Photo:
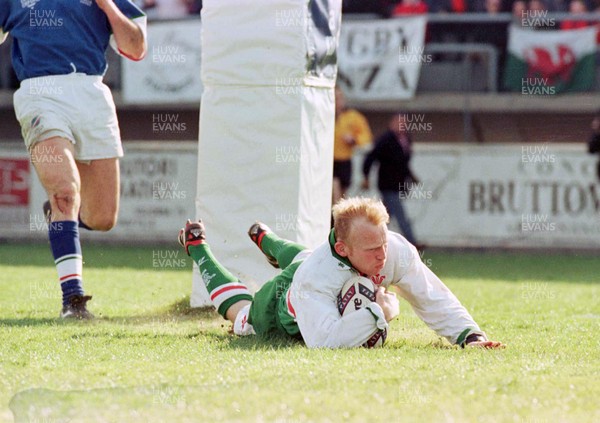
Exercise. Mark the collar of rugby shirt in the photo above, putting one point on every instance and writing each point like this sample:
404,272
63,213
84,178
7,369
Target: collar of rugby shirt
344,263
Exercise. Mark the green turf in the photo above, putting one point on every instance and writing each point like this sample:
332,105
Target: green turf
151,358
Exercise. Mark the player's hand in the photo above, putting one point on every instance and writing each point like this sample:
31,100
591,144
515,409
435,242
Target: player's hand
486,344
388,302
365,184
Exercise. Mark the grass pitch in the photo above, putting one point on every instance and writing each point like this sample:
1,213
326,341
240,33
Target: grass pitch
149,357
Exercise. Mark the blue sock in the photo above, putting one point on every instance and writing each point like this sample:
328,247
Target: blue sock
66,249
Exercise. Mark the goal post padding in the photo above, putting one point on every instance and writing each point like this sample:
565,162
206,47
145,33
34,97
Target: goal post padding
266,128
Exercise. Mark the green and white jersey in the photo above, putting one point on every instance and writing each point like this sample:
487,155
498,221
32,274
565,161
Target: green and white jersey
319,279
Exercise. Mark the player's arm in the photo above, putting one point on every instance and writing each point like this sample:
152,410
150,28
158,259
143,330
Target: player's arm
370,158
129,36
438,307
322,326
373,156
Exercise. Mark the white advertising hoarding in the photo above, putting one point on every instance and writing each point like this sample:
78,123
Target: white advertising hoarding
537,195
158,185
170,72
469,196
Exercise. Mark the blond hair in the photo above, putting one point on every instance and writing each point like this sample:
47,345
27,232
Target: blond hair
347,210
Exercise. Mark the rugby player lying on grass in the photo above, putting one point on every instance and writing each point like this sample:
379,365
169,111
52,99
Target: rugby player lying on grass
301,301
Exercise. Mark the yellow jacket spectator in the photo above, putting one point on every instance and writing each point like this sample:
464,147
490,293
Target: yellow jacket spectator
351,130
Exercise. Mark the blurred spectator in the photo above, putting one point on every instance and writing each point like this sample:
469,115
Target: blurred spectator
487,6
393,151
379,7
519,7
594,142
447,6
557,5
410,7
537,12
575,7
536,6
493,6
195,6
351,130
167,9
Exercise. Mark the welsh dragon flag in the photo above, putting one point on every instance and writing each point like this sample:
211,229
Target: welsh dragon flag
549,62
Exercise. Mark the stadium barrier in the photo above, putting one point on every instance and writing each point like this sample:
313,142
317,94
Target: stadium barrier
530,196
158,189
497,196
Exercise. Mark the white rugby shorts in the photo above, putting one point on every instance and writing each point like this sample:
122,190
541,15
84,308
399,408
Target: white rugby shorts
77,107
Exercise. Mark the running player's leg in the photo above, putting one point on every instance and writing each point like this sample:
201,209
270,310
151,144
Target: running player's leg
336,190
55,165
97,151
227,293
342,178
280,252
56,168
99,193
393,204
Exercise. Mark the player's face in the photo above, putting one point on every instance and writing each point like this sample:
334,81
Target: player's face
366,247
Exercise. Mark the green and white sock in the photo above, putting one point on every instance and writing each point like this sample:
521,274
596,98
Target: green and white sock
282,249
224,289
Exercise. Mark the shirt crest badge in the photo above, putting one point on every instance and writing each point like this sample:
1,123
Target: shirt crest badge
378,279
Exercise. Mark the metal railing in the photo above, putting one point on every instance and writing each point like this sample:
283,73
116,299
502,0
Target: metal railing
466,52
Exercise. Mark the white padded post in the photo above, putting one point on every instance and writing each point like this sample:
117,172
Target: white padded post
266,127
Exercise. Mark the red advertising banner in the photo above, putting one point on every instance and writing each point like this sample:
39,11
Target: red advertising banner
14,182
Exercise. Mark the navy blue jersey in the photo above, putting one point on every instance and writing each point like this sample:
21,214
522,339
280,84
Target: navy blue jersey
57,37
